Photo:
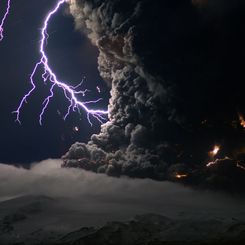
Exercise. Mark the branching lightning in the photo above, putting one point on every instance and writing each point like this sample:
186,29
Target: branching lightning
2,21
48,75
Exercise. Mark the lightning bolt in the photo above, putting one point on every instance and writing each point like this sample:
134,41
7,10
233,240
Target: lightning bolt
2,22
48,75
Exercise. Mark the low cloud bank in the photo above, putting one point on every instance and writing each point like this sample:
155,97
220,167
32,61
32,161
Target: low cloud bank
49,179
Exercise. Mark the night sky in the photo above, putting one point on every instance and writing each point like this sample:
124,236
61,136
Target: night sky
71,55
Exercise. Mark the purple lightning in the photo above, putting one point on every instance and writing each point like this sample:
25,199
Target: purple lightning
70,92
4,19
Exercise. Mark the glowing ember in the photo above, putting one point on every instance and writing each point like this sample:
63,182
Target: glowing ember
76,129
242,120
181,176
215,151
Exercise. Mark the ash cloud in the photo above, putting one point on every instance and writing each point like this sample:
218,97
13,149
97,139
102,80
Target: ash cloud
126,144
166,62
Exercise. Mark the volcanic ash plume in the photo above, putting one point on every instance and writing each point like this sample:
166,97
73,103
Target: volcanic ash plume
156,57
129,142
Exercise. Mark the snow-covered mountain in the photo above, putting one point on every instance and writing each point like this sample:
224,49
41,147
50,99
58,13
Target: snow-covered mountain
44,220
153,229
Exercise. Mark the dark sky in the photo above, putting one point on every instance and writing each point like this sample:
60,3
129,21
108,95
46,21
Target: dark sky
71,56
201,50
177,72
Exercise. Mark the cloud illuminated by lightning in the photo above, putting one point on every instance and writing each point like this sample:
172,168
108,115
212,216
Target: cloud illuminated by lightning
70,92
2,21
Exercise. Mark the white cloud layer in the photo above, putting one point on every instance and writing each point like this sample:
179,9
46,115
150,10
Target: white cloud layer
123,194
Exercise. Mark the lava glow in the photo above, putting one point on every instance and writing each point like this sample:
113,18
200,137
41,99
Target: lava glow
215,151
2,21
70,92
242,120
181,176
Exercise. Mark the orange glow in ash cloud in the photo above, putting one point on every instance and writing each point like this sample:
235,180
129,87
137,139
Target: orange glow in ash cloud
242,120
181,176
215,151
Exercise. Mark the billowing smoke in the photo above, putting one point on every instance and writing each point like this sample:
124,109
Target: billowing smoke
161,60
128,143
